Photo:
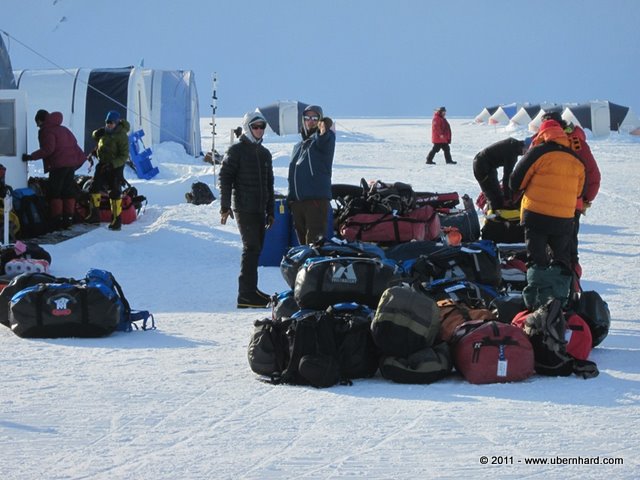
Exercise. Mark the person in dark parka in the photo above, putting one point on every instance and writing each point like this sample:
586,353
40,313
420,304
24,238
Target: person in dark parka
486,163
246,181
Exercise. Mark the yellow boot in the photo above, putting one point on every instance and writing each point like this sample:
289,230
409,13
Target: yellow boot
94,210
116,210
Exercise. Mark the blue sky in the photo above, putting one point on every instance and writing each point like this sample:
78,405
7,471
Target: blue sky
353,57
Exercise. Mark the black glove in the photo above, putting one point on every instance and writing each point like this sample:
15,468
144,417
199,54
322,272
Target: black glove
328,122
26,157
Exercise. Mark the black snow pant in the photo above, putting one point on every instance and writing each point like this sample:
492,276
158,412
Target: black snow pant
252,231
490,186
108,178
436,148
537,242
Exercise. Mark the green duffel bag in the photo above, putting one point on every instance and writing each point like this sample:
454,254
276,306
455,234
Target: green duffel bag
424,366
406,320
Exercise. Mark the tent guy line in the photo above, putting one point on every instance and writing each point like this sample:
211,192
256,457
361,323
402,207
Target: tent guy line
100,92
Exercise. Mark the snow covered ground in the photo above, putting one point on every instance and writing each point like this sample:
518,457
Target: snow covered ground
181,401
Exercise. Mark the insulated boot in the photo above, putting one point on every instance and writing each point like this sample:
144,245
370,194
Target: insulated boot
69,211
116,211
94,210
252,300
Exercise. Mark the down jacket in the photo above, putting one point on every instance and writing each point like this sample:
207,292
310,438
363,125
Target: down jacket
58,146
552,177
246,178
310,167
440,129
113,146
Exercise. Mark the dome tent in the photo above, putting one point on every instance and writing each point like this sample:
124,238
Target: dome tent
524,115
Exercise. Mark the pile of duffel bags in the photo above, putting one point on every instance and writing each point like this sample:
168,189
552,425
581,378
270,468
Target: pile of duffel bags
39,305
392,213
414,312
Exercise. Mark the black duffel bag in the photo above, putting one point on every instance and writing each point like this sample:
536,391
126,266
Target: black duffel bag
53,310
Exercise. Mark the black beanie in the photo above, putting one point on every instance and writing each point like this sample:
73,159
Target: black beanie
41,115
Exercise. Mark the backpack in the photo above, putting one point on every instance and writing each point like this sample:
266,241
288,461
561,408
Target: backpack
200,194
128,318
31,212
397,198
268,351
546,328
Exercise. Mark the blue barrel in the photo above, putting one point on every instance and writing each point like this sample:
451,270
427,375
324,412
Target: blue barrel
276,239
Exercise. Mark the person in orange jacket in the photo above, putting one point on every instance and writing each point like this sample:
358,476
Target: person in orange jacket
440,137
578,143
551,177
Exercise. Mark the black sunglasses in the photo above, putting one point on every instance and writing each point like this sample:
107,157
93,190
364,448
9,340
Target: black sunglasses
258,126
109,122
315,118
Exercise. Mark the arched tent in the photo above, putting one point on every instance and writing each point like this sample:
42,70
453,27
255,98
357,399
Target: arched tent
485,114
524,115
602,117
284,117
173,104
7,80
503,114
84,96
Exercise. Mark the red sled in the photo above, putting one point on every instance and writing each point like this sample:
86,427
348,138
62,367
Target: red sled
494,352
128,214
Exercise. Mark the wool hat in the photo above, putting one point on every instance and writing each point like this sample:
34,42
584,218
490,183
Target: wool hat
313,108
112,116
441,109
41,115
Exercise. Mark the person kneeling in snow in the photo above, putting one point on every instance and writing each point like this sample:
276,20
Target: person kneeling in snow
246,176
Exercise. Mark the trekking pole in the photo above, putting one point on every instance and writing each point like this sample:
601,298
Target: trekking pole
214,107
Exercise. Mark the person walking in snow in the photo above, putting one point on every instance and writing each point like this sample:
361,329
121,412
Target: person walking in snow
551,177
503,153
246,180
113,153
440,137
61,156
310,172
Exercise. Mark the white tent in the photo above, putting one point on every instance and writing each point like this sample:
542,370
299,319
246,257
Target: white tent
535,122
503,114
485,114
524,115
173,104
163,104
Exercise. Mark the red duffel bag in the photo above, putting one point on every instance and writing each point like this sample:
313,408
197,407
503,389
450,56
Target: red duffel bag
493,352
421,224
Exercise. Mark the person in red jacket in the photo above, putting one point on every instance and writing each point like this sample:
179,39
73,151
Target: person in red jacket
440,137
61,156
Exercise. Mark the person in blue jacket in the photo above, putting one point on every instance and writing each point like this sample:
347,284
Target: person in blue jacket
310,175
